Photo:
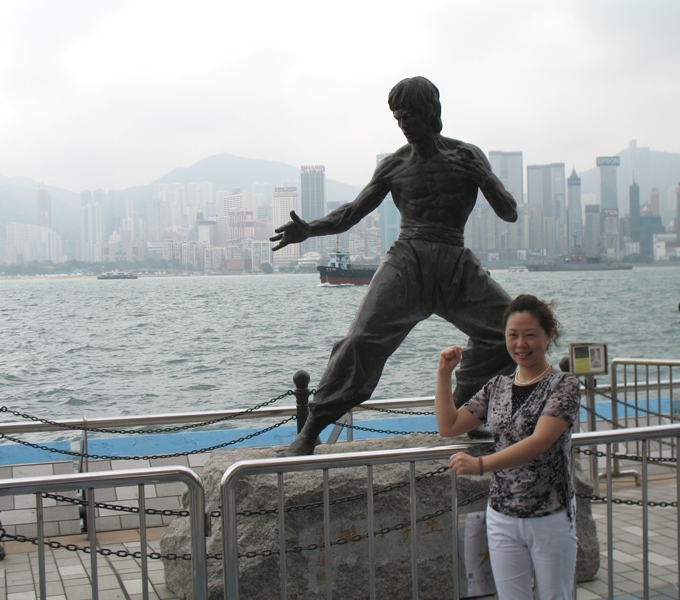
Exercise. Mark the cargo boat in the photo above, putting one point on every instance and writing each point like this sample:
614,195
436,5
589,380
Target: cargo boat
339,270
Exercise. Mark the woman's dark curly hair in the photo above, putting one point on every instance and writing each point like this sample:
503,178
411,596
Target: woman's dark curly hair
543,312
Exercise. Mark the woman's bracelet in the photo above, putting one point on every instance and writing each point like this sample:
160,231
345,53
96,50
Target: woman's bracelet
481,466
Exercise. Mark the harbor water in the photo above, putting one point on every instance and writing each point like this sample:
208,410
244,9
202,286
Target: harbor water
80,347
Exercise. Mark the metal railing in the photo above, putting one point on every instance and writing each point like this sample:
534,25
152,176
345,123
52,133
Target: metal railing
368,460
124,478
645,436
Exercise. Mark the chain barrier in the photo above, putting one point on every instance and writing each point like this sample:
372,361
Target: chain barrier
315,505
631,457
628,502
55,545
5,409
387,431
400,412
250,436
216,514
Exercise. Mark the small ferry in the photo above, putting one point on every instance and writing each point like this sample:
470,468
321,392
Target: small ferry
117,275
339,270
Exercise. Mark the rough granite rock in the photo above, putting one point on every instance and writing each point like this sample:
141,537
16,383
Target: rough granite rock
259,576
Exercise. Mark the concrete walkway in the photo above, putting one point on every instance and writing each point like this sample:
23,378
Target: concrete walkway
119,578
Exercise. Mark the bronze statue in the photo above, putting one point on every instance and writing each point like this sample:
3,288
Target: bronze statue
434,181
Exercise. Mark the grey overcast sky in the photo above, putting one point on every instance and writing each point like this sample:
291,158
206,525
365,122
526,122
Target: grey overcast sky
111,94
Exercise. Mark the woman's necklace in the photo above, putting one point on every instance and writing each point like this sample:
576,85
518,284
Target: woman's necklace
534,380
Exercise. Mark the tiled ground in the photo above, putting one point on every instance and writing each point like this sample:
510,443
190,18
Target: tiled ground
119,578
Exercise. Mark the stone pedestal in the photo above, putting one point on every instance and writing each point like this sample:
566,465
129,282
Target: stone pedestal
306,564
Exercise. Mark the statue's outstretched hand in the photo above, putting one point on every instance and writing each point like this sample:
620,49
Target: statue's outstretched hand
293,232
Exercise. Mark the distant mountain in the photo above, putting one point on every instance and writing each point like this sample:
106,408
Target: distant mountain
18,203
228,172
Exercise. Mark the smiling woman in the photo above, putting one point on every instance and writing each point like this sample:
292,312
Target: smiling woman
531,516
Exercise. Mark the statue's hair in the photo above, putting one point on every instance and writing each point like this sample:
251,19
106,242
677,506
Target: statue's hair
420,95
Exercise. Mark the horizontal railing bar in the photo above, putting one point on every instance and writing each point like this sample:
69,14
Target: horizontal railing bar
631,434
645,362
100,479
290,464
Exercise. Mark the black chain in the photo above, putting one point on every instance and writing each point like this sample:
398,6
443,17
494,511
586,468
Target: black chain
252,554
216,514
650,503
387,431
148,457
632,457
82,427
400,412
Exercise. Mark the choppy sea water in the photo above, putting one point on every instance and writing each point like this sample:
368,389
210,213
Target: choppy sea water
83,347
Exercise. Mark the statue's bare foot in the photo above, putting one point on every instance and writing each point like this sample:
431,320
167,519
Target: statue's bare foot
302,446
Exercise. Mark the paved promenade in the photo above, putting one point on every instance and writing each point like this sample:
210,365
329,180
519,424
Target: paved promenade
119,578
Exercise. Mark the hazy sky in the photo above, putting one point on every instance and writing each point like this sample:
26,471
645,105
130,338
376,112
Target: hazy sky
115,93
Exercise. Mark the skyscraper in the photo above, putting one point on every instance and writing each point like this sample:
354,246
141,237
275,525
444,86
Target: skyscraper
591,234
509,168
546,188
654,201
574,211
634,217
609,197
312,201
44,208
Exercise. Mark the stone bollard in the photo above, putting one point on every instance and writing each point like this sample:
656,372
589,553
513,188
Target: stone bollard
301,393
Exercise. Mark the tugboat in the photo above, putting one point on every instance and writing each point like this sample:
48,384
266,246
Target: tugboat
339,270
117,275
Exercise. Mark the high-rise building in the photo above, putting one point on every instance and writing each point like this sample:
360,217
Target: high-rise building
44,208
574,211
284,200
654,201
91,225
592,228
609,197
312,201
634,217
200,196
509,168
390,218
546,188
236,199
